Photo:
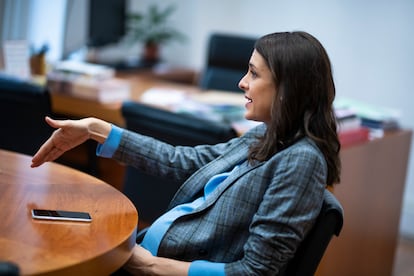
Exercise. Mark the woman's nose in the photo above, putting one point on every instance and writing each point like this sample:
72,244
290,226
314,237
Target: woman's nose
242,83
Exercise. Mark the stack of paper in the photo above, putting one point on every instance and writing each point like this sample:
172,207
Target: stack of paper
72,68
88,81
371,116
210,105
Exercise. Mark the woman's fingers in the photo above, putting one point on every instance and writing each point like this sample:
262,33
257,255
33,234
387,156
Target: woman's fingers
55,123
68,134
50,150
44,153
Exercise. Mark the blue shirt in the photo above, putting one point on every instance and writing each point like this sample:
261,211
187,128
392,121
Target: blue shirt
157,230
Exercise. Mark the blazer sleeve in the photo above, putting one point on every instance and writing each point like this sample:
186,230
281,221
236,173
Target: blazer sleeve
158,158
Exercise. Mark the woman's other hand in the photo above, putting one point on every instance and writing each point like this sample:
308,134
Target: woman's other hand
143,263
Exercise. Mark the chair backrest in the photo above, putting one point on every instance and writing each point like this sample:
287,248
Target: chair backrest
227,61
176,129
310,252
23,107
9,269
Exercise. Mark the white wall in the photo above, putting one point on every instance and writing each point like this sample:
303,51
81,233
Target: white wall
370,43
46,22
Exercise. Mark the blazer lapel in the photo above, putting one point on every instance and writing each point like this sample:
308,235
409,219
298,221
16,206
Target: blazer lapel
189,190
242,170
226,162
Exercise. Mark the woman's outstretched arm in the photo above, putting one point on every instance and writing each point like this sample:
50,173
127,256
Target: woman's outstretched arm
69,134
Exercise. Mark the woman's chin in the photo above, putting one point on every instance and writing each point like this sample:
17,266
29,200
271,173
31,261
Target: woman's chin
250,117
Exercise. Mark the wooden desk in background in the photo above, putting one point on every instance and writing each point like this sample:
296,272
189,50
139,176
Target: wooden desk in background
62,248
74,107
371,191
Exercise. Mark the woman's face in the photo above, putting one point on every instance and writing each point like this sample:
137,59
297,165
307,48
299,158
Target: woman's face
259,89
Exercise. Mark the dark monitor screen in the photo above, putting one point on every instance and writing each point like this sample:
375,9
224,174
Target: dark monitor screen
107,22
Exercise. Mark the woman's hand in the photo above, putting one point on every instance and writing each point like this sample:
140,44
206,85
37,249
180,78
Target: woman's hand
140,262
69,134
143,263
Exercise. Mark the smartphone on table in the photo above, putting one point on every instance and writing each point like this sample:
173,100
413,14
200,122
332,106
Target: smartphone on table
61,215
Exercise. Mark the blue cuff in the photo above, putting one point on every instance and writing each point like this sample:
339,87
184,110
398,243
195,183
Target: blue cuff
206,268
108,148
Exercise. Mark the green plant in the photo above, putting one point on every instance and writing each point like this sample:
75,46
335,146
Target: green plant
152,27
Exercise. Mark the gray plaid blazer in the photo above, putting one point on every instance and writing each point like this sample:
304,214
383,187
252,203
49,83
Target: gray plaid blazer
255,219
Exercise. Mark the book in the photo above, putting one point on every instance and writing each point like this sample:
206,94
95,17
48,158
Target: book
69,69
211,105
349,124
371,116
354,136
347,119
344,113
350,129
106,91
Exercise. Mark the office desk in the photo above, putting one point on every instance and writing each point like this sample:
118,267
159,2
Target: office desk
371,193
62,248
78,108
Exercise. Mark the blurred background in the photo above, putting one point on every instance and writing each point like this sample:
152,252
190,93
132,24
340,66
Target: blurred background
370,42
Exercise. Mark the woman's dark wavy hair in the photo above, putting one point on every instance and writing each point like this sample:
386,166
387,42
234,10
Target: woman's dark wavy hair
302,105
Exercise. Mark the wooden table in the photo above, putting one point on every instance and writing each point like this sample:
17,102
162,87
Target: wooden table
62,248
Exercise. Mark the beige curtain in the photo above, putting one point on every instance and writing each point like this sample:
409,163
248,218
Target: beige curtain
14,18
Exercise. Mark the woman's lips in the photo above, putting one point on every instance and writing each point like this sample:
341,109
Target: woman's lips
248,101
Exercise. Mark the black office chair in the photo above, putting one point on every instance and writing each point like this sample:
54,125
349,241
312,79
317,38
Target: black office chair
310,252
177,129
227,61
23,107
9,269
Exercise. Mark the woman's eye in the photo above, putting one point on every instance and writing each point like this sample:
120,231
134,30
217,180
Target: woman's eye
253,73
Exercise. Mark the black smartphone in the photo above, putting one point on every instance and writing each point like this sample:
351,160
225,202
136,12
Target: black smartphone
61,215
